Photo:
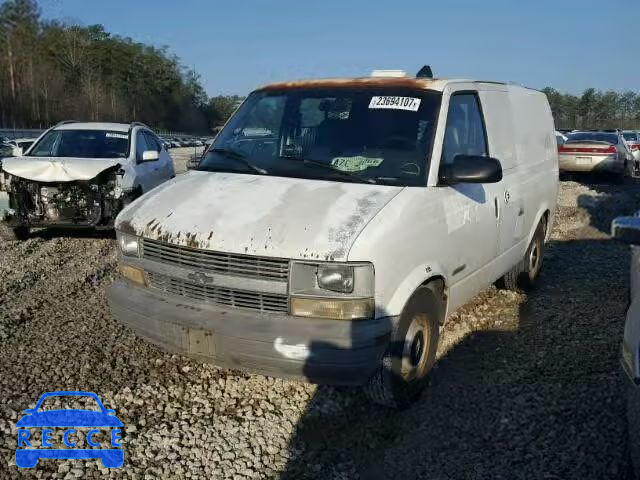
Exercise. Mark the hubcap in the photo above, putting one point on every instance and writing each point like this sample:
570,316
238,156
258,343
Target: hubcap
534,259
415,349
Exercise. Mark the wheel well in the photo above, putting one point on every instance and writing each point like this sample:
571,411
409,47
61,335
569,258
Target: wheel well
545,216
441,287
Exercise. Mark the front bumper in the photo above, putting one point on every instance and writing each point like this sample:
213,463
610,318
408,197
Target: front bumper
320,351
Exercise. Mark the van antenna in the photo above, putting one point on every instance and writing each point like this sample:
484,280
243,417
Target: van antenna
425,72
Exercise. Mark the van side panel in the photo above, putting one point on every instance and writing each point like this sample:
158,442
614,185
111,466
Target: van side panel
499,121
537,153
508,194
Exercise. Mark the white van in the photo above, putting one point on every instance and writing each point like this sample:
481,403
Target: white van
332,244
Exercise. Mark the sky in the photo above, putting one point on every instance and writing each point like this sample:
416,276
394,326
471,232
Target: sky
238,45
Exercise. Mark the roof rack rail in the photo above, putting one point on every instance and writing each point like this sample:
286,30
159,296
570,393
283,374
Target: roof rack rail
138,124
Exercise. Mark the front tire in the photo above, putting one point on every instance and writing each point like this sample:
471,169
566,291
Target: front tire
524,275
402,373
12,234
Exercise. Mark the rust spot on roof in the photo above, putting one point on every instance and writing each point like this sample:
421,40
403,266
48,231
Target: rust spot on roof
363,82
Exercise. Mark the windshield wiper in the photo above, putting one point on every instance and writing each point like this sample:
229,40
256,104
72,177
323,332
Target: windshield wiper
328,166
239,157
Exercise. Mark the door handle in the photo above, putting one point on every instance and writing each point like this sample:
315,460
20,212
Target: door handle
496,207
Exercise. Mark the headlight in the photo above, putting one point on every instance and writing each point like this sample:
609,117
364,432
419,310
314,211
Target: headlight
337,278
339,291
129,244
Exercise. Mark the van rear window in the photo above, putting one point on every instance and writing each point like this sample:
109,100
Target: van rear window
593,136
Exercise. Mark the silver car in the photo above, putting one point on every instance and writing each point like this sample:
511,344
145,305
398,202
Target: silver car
596,152
633,141
627,229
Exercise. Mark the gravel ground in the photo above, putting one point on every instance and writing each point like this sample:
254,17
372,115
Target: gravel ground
525,386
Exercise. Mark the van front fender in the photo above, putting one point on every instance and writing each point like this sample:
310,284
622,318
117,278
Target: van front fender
417,277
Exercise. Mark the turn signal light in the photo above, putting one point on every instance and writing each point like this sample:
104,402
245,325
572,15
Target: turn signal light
133,274
333,309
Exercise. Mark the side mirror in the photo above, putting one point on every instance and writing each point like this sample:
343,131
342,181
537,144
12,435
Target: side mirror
626,229
150,156
472,169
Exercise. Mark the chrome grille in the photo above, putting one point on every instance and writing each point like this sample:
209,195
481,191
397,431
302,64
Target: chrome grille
264,302
217,262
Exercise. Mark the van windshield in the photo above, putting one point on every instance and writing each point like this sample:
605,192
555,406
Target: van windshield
373,135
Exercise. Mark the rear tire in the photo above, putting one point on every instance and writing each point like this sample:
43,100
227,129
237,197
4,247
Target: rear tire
12,234
524,275
411,353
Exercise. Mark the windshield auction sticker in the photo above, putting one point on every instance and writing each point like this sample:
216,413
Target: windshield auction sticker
355,164
71,433
395,103
124,136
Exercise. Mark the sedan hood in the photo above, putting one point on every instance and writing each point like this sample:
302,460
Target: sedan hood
257,215
57,169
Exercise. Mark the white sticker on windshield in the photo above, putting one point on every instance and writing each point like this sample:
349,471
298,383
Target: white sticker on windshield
395,103
117,135
355,164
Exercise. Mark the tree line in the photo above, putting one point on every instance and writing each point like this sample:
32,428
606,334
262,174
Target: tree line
51,71
595,109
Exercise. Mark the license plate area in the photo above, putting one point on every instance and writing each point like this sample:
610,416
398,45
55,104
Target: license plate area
583,160
201,342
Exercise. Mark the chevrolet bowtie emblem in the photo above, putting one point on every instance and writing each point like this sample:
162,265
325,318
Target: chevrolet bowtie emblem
200,277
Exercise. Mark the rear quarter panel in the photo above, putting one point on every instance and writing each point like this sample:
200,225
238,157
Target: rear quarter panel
537,153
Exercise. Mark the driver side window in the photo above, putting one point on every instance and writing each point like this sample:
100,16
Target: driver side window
152,143
465,132
141,145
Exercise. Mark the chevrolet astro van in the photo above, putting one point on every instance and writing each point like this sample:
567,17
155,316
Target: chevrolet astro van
333,225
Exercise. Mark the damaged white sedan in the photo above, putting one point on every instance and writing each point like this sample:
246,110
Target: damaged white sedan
80,175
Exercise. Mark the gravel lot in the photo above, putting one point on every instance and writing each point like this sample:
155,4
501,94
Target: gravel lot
525,387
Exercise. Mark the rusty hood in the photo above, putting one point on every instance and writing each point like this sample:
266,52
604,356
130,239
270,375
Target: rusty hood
257,215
